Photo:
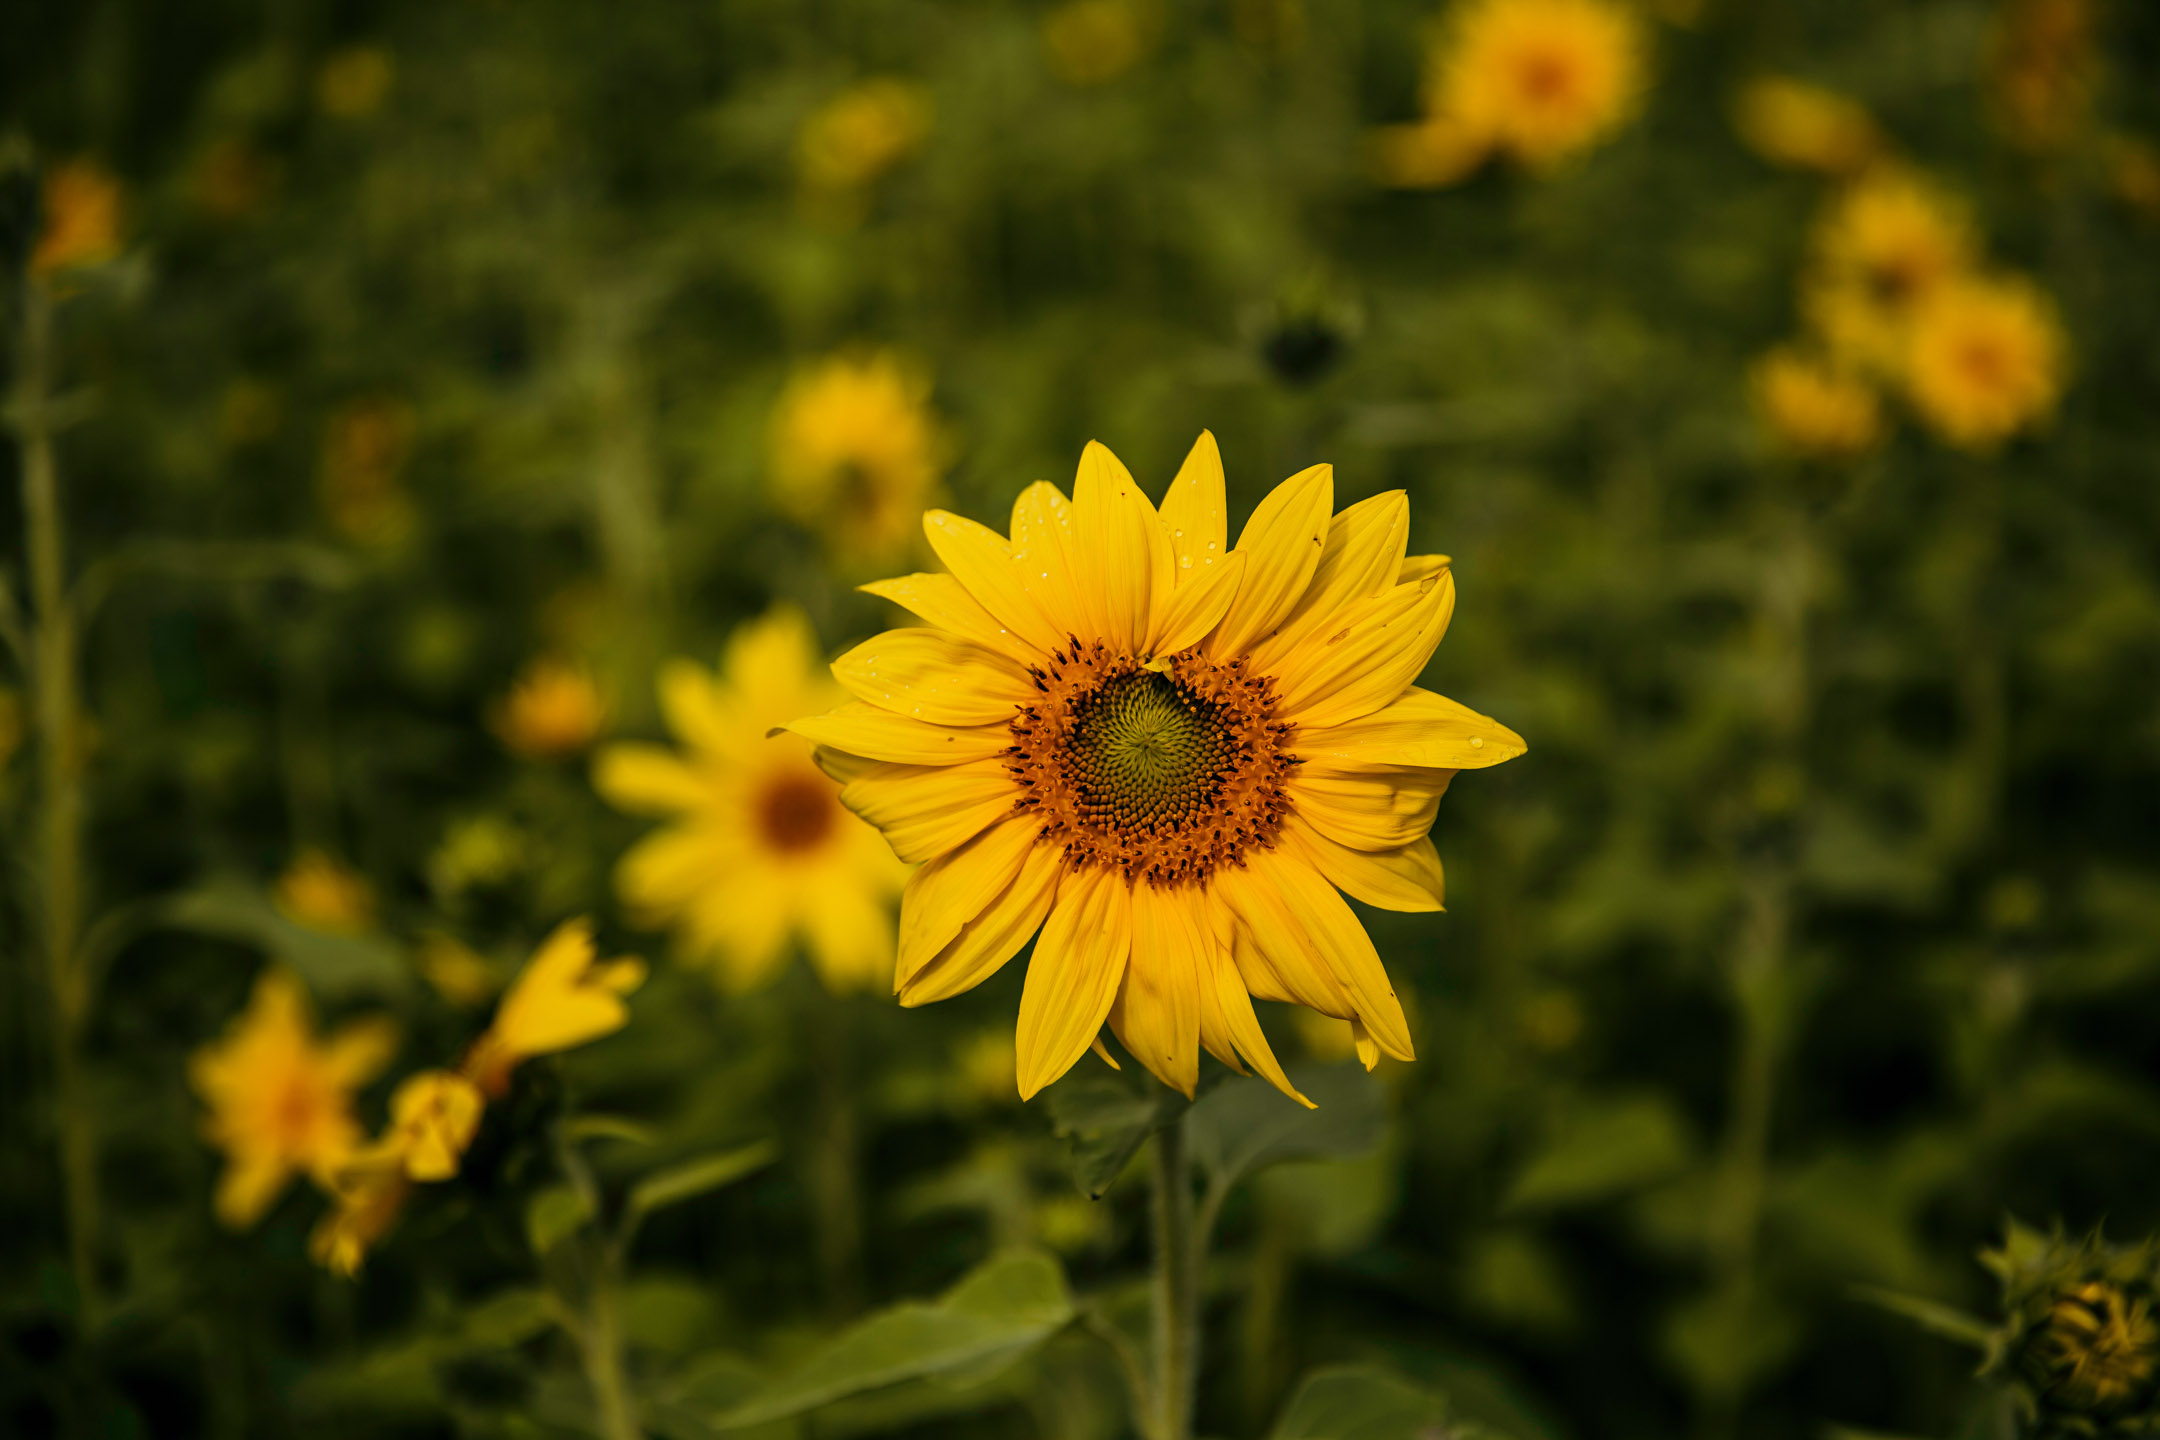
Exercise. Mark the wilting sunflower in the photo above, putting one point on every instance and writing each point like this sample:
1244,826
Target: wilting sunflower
1164,753
760,849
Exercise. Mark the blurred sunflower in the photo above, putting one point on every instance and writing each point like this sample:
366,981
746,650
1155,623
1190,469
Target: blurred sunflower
80,205
322,894
2043,68
1539,80
1789,122
761,849
861,133
856,454
280,1101
1986,360
553,709
1813,408
1888,243
1167,755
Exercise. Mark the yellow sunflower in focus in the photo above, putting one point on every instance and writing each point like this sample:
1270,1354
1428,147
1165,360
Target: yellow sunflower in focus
1986,361
760,849
1166,754
1539,80
1813,408
1887,245
856,453
280,1101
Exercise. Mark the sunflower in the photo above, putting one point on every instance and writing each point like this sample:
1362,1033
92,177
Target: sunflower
761,849
1790,122
1985,361
1887,244
1813,408
1539,80
856,453
1164,753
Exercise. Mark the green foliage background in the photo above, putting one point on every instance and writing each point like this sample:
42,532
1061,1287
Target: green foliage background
1819,928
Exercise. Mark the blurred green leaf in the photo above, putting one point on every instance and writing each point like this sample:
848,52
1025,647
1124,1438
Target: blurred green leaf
334,967
1358,1402
1106,1121
1604,1148
608,1127
693,1178
1945,1320
1245,1124
1003,1308
553,1215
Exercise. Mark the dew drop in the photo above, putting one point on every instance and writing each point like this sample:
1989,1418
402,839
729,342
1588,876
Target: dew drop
1476,743
1177,534
1210,544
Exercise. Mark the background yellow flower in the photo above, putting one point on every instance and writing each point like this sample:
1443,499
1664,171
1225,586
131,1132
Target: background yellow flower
1885,245
856,454
81,213
862,132
758,850
1539,80
1986,360
324,894
1789,122
553,709
1812,408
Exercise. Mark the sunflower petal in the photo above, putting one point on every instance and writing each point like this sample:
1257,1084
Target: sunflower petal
1285,536
1078,965
958,886
1185,615
1364,549
1226,1011
925,810
1333,932
1192,509
945,603
1366,656
1376,809
1408,878
933,676
982,562
1420,728
1125,550
986,942
878,734
648,780
1046,549
1157,1013
1421,567
1271,950
1368,1050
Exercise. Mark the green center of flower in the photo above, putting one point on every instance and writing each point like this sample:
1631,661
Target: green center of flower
1144,749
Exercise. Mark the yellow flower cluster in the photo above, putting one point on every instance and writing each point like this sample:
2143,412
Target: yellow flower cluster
1536,81
1896,297
280,1102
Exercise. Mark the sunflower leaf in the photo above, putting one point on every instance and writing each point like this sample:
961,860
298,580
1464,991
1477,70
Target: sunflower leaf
333,966
1245,1125
692,1178
1106,1121
1358,1402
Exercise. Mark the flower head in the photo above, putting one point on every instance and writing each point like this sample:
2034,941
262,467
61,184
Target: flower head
322,894
1985,360
81,204
2080,1342
856,453
1164,753
861,133
280,1101
433,1117
1539,80
553,709
761,849
565,997
1812,408
1888,243
367,1192
1789,122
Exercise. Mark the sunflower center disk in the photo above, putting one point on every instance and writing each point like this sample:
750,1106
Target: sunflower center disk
1162,775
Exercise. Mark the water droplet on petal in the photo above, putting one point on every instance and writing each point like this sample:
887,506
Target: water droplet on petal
1476,743
1185,562
1210,544
1177,534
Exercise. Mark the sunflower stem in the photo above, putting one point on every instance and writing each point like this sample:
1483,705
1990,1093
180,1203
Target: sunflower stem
1177,1288
58,724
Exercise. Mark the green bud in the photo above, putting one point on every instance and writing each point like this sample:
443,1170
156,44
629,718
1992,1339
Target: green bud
2080,1343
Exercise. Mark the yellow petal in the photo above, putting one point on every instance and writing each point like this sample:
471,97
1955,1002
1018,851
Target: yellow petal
1192,509
1364,550
982,562
877,734
1420,728
1185,615
670,867
1378,809
945,603
1157,1014
930,675
1123,547
1072,979
1283,541
925,810
1365,656
956,887
1331,931
648,780
736,927
1045,549
359,1051
993,937
555,1004
695,707
1421,567
435,1115
248,1187
1227,1019
850,939
1102,1052
1368,1050
1281,967
1405,879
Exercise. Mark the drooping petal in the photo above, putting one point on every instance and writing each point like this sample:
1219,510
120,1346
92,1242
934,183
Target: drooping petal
1229,1028
1284,539
1192,509
1124,550
1046,549
1367,655
1421,567
1185,615
1364,550
1157,1013
876,733
958,886
945,603
1408,878
982,561
1420,728
1271,950
648,780
1377,809
933,676
1333,932
986,942
1074,976
925,810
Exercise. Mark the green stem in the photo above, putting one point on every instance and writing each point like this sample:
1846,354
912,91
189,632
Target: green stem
835,1170
1177,1288
60,798
600,1345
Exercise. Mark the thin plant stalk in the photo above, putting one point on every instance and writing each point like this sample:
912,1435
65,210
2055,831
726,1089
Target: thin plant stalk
1176,1288
59,730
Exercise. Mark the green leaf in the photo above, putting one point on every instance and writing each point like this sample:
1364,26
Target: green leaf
1604,1149
1003,1308
553,1216
580,1128
506,1318
692,1178
1106,1121
332,966
1944,1320
1358,1402
1244,1124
